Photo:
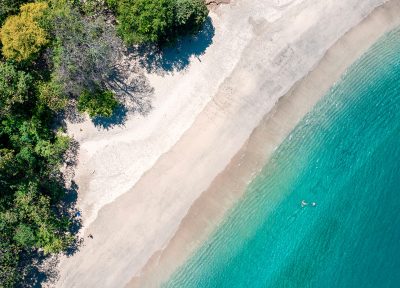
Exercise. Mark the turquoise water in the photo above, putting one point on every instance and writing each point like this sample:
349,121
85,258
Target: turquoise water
345,156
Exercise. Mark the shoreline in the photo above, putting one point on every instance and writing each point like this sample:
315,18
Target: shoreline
229,186
150,172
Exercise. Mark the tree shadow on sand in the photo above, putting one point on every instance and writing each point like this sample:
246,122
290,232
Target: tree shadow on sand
133,91
131,86
39,268
177,57
118,118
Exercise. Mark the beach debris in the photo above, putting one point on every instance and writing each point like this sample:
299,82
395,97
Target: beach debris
90,236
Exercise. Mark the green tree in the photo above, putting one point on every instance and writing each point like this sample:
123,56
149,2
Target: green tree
53,151
31,153
7,165
51,94
158,21
14,87
100,103
9,7
24,236
34,219
112,4
21,35
146,20
190,15
9,259
35,209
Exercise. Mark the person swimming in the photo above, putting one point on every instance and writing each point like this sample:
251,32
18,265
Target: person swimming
304,203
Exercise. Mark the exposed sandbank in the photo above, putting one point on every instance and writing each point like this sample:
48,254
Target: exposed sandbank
149,173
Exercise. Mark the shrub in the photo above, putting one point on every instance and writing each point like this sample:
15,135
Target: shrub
21,35
99,103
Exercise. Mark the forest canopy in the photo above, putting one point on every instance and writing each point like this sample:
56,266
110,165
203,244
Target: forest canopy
158,21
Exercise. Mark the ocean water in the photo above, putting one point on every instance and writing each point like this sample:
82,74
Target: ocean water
345,157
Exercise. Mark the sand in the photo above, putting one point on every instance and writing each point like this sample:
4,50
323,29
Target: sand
151,173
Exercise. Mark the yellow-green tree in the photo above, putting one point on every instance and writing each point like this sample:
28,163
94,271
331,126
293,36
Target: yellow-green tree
21,35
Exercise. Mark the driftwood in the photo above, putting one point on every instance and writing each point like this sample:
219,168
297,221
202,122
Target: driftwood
213,3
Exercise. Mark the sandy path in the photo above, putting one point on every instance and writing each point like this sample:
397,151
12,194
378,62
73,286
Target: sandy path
260,50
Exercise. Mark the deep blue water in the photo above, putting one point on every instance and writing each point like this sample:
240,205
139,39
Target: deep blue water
345,156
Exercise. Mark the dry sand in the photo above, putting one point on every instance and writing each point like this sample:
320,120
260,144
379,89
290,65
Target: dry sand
149,173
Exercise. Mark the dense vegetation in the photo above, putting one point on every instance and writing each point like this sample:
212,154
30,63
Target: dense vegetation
158,21
32,188
9,7
60,53
98,103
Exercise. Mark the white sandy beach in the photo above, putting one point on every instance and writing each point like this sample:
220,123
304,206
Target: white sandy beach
138,182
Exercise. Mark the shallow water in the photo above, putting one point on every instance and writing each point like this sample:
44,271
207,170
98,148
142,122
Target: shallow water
345,157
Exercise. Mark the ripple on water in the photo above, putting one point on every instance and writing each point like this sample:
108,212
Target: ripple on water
345,156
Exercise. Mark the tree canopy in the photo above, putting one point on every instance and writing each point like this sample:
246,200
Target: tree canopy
30,179
158,21
146,20
85,52
21,35
9,7
98,103
15,87
190,15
